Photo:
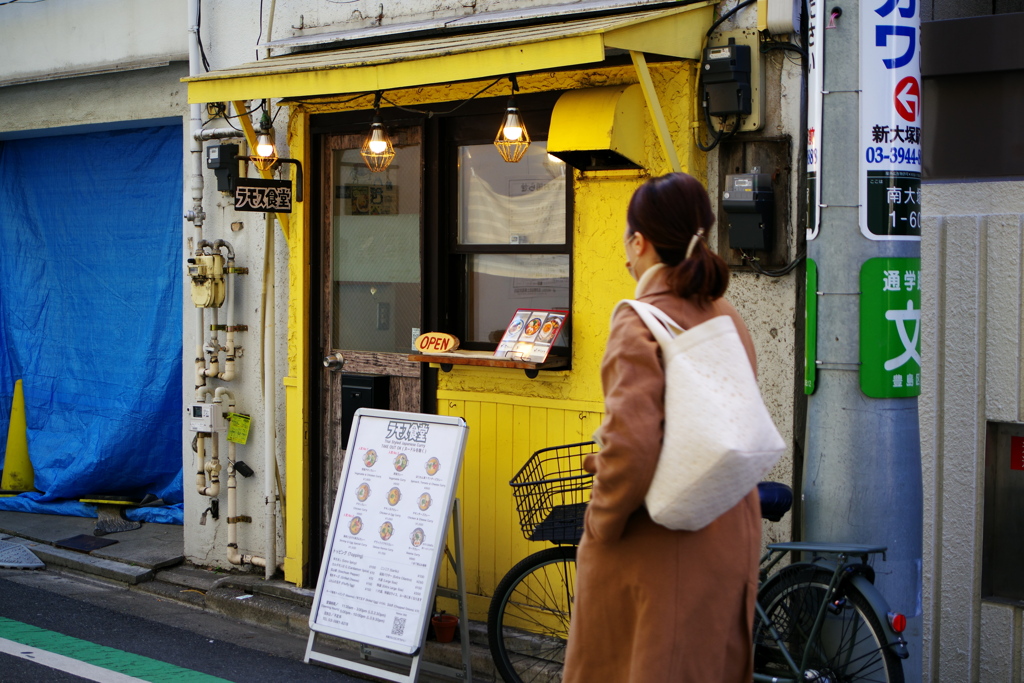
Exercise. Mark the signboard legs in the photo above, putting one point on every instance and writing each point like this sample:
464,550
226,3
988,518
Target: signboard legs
374,658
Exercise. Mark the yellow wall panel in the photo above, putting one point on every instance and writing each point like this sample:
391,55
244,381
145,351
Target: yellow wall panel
503,434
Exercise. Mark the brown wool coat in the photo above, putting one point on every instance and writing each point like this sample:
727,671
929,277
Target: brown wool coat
652,604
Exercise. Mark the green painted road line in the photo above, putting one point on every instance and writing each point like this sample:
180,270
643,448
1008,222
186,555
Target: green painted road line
126,663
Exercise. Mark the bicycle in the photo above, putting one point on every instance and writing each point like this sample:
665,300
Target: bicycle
825,611
528,619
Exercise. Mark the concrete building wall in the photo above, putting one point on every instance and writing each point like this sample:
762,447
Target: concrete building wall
66,38
971,257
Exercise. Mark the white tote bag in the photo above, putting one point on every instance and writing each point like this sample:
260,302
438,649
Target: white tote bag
719,439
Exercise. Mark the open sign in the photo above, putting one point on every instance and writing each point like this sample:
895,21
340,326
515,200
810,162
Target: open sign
436,342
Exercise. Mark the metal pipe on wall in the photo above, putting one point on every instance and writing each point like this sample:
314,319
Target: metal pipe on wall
269,400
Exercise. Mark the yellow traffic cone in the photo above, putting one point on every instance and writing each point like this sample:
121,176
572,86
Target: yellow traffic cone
17,473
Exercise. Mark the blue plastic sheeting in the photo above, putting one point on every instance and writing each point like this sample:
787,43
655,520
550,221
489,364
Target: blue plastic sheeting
30,502
90,312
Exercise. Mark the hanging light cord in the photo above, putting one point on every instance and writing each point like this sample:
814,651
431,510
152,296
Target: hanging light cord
430,114
379,97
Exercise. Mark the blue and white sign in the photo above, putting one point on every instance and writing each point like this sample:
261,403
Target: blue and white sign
890,120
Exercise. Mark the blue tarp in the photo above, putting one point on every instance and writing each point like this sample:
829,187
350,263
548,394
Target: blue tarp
90,314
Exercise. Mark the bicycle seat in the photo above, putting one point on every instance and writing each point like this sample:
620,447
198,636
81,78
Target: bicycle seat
776,499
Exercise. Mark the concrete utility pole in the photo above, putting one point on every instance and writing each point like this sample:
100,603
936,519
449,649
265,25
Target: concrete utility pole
862,469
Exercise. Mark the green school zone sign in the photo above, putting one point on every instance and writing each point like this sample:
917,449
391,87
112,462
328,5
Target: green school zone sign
890,327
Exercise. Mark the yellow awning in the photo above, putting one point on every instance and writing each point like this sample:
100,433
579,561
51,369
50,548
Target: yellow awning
675,32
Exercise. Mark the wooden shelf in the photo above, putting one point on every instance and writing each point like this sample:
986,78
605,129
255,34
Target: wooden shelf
487,359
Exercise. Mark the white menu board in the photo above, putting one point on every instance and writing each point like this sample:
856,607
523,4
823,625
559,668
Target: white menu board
388,529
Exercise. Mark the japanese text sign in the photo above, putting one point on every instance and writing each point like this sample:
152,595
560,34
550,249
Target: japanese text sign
257,194
890,120
890,327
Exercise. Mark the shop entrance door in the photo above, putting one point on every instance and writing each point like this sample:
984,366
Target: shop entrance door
370,290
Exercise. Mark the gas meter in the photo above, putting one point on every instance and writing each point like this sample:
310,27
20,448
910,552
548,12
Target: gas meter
207,273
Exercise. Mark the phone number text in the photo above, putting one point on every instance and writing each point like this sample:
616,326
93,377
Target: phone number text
894,155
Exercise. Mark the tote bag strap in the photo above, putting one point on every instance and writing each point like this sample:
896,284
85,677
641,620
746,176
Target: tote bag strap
664,328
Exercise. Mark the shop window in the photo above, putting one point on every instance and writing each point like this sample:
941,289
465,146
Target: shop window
1004,513
511,241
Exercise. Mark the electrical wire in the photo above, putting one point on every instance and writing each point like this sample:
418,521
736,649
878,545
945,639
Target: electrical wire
725,17
753,261
429,114
199,35
260,36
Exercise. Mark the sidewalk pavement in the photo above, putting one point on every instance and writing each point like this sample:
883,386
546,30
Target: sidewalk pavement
151,560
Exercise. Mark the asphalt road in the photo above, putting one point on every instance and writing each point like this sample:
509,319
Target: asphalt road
50,621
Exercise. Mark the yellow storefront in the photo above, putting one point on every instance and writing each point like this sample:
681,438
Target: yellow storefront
578,69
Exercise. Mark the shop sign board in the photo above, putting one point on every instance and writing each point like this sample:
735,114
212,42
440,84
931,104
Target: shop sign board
388,529
259,194
890,120
890,327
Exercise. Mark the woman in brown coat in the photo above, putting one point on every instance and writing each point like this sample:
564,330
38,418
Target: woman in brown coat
652,604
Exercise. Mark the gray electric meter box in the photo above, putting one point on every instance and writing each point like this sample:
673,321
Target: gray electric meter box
206,417
749,204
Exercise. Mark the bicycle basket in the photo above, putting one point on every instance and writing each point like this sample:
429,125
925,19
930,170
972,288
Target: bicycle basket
551,493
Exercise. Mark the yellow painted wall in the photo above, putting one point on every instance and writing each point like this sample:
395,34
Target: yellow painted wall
509,415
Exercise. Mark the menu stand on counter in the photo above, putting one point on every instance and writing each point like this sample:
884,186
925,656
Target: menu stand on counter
370,592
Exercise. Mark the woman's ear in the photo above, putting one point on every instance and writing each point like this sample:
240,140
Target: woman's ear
641,245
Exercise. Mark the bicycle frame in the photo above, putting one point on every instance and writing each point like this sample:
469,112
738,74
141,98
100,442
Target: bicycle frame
841,571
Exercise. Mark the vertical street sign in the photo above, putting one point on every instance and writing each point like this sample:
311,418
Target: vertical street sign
816,25
890,327
890,120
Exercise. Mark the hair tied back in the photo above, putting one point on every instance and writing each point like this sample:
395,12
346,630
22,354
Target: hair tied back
693,241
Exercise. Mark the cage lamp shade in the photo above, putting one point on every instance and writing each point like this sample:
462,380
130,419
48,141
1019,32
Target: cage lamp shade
377,150
266,151
513,139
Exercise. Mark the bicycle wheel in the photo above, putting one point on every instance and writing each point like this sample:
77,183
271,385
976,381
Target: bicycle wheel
851,645
528,621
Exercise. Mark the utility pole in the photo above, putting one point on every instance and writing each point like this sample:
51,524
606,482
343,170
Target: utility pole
862,468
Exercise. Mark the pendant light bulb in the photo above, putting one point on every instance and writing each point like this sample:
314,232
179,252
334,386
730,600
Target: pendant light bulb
264,145
378,140
512,140
377,150
513,126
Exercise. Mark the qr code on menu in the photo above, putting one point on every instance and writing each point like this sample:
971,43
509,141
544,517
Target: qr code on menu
398,627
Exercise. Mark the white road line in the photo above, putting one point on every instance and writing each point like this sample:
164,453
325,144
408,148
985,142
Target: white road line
67,664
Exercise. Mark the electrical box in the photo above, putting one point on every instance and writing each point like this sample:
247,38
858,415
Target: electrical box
749,204
208,287
732,75
221,159
726,78
206,417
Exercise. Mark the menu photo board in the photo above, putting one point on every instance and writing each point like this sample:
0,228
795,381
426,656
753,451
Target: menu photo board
530,335
388,529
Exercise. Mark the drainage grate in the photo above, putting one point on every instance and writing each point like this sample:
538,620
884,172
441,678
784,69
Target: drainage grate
14,556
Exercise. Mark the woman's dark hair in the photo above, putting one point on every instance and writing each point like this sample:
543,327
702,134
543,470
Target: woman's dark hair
668,211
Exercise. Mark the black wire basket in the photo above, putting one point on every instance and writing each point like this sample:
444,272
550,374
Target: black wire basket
551,492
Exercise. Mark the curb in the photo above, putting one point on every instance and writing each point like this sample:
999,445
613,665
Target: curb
108,569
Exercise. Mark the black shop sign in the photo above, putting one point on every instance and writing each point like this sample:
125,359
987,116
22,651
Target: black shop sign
256,194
